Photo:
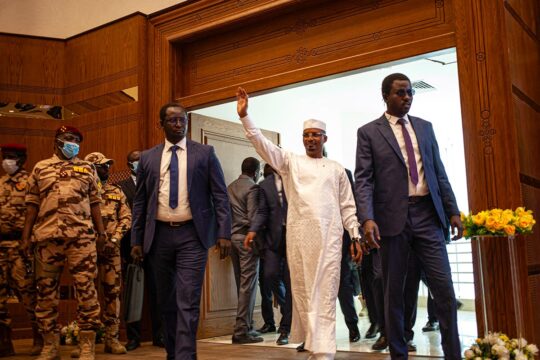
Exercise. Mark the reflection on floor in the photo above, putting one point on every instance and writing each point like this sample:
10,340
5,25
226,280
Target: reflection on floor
428,344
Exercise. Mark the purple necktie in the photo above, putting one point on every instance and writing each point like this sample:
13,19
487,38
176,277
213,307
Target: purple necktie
410,152
173,173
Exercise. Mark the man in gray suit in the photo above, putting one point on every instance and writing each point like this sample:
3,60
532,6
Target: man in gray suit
243,194
405,201
180,210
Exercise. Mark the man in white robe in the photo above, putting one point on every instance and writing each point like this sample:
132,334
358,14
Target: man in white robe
321,205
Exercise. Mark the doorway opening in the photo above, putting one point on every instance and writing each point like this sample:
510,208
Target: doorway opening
346,102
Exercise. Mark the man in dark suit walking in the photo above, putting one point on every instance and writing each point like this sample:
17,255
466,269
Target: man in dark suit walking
405,201
270,218
180,208
133,329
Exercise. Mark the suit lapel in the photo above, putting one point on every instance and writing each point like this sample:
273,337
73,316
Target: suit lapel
386,131
156,165
191,156
420,136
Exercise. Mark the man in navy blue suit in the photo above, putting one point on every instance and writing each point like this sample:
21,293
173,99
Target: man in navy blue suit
180,208
270,219
405,202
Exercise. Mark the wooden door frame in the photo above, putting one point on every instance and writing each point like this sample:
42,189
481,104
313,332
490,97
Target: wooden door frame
474,31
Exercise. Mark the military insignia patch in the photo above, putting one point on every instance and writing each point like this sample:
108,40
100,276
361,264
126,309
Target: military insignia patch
81,169
20,186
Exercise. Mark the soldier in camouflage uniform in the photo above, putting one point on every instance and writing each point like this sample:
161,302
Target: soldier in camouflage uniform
116,216
63,202
15,267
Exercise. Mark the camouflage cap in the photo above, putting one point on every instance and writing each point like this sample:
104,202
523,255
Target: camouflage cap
98,158
68,129
16,148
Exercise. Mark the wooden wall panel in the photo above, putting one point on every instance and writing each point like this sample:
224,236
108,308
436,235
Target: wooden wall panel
31,70
524,56
527,11
315,36
203,63
104,61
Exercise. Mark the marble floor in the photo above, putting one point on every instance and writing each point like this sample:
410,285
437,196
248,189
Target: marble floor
428,344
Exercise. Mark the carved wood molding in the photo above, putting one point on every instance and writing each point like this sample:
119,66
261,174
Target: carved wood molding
27,132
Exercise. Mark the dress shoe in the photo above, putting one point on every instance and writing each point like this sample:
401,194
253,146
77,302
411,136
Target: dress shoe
354,335
267,328
372,331
158,341
380,344
411,346
283,338
431,326
254,333
246,339
132,345
301,348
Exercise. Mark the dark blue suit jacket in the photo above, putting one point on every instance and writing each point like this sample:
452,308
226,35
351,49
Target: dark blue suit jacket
270,215
207,193
381,178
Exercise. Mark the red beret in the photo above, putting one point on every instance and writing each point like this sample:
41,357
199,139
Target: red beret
17,148
68,129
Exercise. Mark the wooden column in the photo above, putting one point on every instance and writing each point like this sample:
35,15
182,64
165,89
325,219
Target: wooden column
491,148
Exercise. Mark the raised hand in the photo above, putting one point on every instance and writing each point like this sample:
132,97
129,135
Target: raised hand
241,102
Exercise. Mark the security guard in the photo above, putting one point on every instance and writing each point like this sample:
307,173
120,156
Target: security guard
64,211
16,269
116,216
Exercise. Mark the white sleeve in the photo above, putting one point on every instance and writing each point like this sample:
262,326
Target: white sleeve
348,206
270,152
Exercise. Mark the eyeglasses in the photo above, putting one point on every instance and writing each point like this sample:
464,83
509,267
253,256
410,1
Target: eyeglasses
176,120
402,92
315,135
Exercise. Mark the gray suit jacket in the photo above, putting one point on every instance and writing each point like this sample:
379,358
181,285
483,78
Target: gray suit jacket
381,178
206,190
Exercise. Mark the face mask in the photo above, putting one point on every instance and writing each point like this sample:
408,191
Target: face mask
70,149
10,166
104,178
134,166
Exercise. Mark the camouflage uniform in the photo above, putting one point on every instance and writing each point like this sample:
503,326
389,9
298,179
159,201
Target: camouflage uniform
116,216
64,191
15,267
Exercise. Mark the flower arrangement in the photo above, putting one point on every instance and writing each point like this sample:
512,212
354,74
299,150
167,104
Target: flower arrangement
498,222
500,346
69,335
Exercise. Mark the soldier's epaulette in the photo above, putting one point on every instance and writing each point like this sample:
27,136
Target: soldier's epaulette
113,197
81,169
20,186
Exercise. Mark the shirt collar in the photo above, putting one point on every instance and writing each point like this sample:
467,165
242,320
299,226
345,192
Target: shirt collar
182,144
393,119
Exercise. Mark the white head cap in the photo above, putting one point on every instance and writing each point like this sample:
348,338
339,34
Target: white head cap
315,124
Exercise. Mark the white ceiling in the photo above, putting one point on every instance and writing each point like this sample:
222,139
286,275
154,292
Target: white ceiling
64,18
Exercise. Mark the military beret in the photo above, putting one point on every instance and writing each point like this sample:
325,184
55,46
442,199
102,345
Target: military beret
17,148
68,129
97,158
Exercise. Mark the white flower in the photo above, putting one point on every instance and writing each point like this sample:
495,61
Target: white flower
64,331
68,341
522,343
531,349
477,350
478,358
520,355
492,338
500,350
469,354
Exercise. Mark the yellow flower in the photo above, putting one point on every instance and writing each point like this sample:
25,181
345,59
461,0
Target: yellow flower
479,218
509,229
462,216
491,223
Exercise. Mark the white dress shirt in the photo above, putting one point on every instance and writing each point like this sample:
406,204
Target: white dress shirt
421,188
183,210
